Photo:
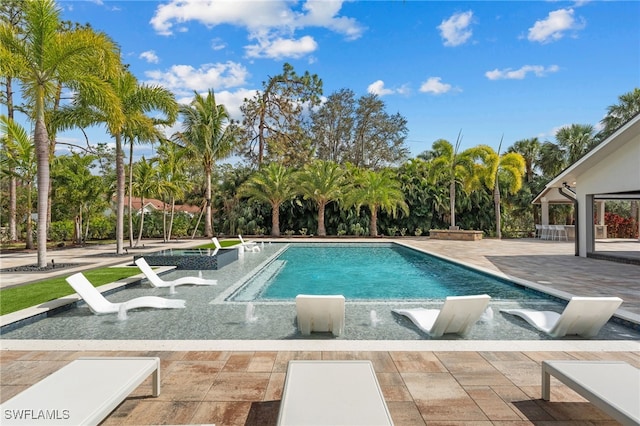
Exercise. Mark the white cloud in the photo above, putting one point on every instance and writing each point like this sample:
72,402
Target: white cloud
218,44
455,30
273,22
377,88
521,73
150,56
184,79
280,48
435,86
554,26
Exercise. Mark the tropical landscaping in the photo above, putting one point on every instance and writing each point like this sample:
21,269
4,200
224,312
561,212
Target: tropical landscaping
305,162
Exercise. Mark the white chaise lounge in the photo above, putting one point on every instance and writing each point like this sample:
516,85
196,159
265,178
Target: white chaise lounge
612,386
457,315
321,313
249,245
336,393
83,392
156,281
100,305
584,316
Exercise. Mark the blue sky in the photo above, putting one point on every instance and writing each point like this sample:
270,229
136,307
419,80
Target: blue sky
515,68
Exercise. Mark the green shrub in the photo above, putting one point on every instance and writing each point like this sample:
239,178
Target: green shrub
61,230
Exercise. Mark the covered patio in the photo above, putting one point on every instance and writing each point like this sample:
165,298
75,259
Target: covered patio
608,172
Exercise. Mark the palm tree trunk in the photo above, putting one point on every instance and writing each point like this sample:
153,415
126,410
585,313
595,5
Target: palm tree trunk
141,221
130,193
452,203
29,242
208,229
373,224
496,203
120,196
275,220
322,232
42,155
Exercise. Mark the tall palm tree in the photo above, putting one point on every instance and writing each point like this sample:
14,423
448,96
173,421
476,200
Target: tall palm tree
273,184
575,140
451,166
209,138
530,151
379,191
628,106
172,165
146,183
508,169
322,182
19,162
81,59
135,102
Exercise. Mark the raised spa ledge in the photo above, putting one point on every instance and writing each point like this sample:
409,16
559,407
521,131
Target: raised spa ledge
455,234
192,259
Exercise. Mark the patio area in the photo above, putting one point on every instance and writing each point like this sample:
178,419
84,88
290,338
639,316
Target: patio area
424,382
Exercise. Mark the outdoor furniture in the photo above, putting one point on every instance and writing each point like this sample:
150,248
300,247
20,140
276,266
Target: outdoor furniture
612,386
322,313
457,315
156,281
100,305
249,245
584,316
332,393
82,392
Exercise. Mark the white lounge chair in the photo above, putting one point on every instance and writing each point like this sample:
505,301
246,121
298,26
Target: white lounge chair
249,245
457,315
82,392
156,281
100,305
584,316
323,313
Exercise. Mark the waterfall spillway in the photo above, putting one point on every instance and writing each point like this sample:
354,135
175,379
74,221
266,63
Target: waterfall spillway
249,314
373,318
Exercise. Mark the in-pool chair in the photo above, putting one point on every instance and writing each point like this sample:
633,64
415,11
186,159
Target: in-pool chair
584,316
156,281
100,305
457,315
249,245
322,313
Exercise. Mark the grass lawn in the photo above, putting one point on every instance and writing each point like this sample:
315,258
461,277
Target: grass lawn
16,298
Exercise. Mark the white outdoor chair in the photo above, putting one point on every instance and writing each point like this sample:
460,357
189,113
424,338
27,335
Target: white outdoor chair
156,281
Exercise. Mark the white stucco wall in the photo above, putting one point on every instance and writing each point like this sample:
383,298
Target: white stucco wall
617,172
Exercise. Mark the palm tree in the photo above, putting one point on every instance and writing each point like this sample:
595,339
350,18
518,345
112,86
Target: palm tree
172,165
273,184
146,182
452,166
19,162
575,141
43,56
508,168
135,101
378,191
322,182
530,151
209,138
618,114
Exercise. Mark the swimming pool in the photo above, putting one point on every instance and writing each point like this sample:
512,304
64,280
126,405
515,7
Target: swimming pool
369,272
209,315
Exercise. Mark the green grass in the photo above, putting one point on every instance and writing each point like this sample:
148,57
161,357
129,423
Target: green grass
16,298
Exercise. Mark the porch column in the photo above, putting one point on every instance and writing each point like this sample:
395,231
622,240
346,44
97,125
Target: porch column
545,211
600,212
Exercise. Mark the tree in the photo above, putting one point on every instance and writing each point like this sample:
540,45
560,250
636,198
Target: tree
379,191
361,132
80,59
628,106
209,138
147,182
273,184
135,102
273,118
496,169
450,166
172,168
322,182
530,151
19,162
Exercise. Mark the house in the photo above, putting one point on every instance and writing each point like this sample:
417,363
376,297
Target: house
151,204
610,171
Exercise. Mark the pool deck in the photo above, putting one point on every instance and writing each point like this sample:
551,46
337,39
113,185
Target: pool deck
430,382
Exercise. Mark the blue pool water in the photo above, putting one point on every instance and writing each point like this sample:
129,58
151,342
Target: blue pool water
369,272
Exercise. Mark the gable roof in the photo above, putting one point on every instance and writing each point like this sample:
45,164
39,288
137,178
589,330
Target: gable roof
569,177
